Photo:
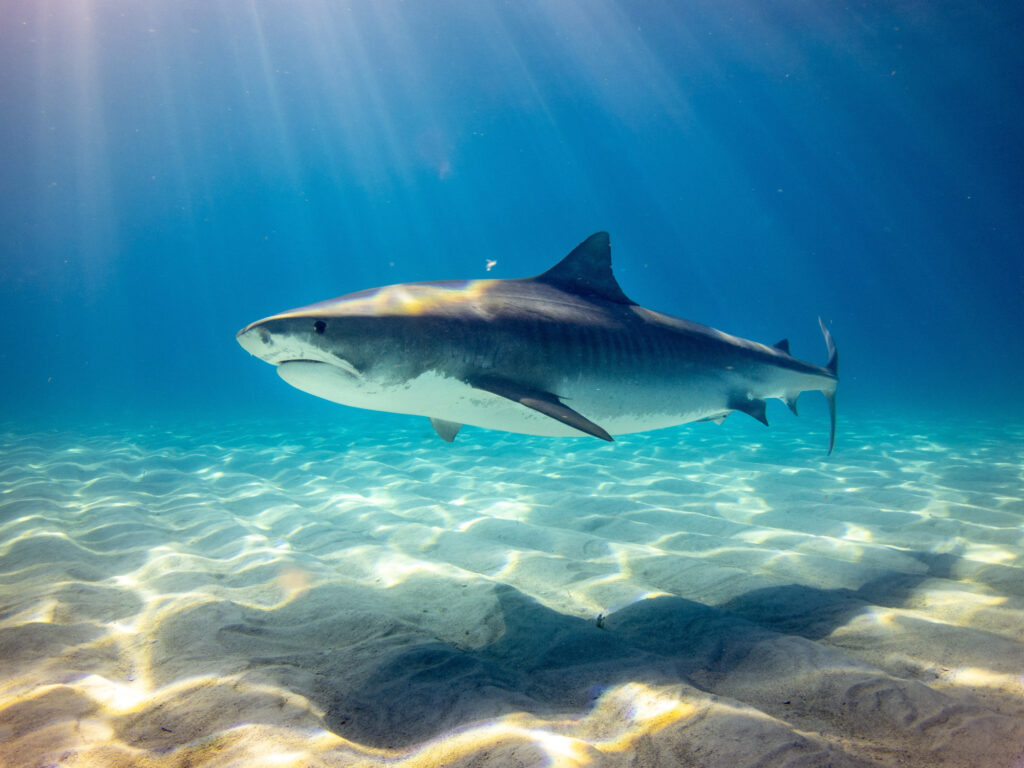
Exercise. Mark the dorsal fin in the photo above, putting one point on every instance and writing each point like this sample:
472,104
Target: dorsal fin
587,271
783,345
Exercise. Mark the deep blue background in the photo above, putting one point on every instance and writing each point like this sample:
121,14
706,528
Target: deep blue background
171,171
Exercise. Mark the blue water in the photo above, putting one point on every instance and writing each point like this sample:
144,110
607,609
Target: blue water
172,171
200,564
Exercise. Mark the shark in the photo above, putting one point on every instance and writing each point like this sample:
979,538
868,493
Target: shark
564,353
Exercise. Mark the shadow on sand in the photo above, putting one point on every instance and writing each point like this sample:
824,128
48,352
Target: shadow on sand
389,682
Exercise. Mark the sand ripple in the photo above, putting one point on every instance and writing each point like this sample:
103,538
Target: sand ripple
312,596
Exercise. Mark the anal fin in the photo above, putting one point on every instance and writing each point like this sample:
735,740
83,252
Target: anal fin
446,430
540,401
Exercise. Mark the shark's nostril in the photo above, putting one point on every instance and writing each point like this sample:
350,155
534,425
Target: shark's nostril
319,326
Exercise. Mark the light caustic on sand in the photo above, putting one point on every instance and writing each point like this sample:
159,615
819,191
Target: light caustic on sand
305,598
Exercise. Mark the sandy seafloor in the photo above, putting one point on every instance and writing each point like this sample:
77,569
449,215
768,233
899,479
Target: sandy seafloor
360,593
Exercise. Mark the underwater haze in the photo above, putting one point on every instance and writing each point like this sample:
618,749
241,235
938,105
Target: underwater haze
200,565
173,171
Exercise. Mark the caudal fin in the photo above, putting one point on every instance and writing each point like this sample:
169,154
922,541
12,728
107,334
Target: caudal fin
833,367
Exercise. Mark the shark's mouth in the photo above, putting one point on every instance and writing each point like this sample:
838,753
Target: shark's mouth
299,371
338,383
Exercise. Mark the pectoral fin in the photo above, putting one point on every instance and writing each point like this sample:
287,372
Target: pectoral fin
540,401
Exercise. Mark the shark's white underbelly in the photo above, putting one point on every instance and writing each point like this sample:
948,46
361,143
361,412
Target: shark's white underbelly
616,408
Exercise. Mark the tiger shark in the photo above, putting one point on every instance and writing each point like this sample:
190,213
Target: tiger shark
564,353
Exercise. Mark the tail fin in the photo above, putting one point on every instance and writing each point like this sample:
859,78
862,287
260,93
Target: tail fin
833,367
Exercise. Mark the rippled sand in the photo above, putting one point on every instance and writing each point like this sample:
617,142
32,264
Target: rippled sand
259,595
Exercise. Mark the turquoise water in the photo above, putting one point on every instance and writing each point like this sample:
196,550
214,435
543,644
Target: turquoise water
201,565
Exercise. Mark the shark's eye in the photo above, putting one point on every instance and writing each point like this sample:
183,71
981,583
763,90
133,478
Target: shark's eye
319,326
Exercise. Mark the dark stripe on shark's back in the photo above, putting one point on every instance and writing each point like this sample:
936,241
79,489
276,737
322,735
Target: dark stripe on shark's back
619,349
648,349
585,341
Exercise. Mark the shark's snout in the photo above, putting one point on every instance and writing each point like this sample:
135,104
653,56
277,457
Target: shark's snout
255,340
277,345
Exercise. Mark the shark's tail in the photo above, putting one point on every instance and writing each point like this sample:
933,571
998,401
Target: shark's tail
833,367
